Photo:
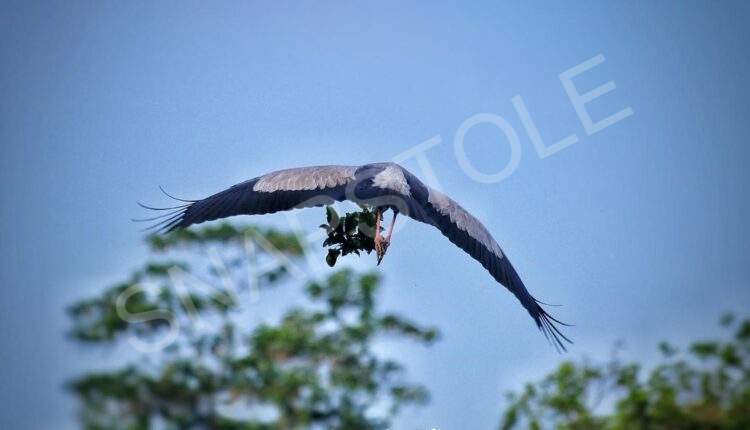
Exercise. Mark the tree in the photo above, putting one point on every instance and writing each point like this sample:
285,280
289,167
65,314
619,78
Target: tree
706,386
314,368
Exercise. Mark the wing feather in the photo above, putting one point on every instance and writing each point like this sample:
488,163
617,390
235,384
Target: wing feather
276,191
468,233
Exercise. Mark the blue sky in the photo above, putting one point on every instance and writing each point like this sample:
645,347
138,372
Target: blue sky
639,230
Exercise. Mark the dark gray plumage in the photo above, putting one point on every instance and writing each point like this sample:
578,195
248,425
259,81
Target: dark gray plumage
381,185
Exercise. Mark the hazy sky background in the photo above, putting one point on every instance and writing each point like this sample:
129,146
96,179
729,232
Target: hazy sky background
639,230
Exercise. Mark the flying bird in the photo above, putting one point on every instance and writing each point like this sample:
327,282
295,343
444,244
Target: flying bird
382,186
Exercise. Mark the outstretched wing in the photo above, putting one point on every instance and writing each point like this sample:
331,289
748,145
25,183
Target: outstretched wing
465,231
276,191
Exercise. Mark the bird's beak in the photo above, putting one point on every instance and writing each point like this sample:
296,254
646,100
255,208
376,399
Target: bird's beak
381,250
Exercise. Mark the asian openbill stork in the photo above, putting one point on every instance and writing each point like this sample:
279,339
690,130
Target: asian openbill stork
380,185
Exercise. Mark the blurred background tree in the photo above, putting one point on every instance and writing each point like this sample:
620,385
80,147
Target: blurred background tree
198,364
705,386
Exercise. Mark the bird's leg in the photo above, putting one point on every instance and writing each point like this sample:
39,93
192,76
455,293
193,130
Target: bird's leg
378,217
381,244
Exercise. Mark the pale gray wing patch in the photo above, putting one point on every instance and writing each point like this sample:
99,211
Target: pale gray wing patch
392,178
463,220
305,178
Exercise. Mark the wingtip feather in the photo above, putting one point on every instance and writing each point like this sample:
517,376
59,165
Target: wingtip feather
547,325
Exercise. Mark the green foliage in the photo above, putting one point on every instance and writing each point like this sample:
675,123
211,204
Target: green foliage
707,386
349,235
314,368
226,233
